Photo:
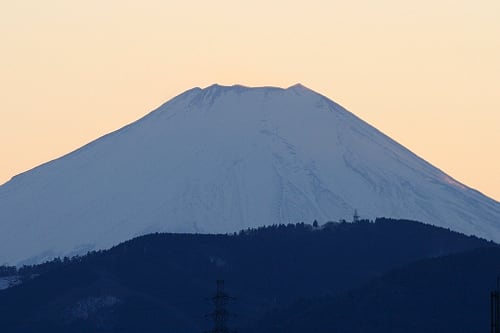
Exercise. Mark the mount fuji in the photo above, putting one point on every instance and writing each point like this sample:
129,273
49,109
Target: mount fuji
222,159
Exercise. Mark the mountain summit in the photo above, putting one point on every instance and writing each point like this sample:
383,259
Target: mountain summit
221,159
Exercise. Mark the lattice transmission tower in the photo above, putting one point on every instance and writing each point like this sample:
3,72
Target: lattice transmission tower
495,309
220,313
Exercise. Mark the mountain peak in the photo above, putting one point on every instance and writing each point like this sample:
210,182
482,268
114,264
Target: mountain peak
216,90
298,86
225,158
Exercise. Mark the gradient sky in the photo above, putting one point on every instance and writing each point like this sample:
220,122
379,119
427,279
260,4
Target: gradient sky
427,73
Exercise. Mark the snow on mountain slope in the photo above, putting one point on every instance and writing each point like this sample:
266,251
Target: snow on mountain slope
222,159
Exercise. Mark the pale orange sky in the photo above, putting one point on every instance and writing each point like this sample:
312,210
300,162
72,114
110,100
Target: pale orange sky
427,73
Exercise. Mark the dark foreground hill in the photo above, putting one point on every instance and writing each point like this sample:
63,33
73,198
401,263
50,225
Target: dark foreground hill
446,294
160,282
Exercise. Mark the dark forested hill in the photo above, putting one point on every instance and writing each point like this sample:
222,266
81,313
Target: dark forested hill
160,282
446,294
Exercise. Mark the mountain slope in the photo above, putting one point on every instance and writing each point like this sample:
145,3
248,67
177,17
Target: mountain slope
159,282
222,159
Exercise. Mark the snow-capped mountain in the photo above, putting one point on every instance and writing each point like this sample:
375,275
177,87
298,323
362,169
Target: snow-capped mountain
221,159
